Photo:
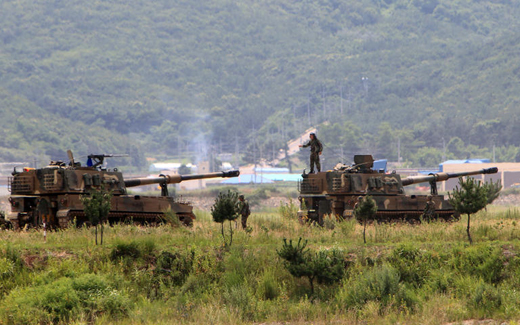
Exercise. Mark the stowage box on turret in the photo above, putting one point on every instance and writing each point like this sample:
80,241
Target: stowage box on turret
52,194
335,192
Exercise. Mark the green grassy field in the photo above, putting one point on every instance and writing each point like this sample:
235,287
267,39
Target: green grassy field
407,274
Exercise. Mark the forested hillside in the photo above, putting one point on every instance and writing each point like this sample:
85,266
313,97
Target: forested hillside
435,78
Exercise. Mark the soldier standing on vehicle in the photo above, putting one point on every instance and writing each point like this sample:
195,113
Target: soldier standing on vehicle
429,209
243,210
316,149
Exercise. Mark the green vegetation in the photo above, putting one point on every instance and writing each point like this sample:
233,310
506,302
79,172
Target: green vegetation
225,209
365,209
471,197
97,206
196,78
326,267
406,274
492,190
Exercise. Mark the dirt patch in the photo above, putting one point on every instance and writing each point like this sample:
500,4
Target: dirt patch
32,261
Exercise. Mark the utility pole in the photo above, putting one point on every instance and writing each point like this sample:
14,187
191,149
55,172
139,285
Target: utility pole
309,109
349,101
398,150
236,150
323,99
178,145
443,150
341,99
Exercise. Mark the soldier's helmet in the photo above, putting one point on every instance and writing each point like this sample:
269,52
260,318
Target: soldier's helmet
430,197
360,198
313,134
241,196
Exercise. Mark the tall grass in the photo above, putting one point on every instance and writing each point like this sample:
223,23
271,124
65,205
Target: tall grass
405,273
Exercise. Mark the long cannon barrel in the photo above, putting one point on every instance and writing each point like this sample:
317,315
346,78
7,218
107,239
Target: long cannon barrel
440,177
173,179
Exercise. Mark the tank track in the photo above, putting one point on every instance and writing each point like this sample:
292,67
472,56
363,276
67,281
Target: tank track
412,216
152,219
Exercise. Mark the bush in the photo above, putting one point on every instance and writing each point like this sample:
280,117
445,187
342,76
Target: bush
170,218
410,263
13,272
241,300
174,268
482,260
486,298
326,267
289,210
267,287
125,250
347,227
406,299
378,284
440,280
64,300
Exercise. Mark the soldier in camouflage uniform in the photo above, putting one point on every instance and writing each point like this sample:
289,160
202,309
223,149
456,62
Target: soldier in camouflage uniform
429,209
4,223
316,149
243,210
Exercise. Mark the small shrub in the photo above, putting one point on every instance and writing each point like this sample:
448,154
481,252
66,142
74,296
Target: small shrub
410,263
174,267
347,227
226,208
440,280
267,287
486,298
378,284
326,267
125,250
329,223
288,210
170,218
7,268
484,261
63,300
241,300
406,299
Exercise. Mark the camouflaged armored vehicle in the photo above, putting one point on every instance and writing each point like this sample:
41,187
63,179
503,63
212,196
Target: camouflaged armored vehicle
335,192
52,194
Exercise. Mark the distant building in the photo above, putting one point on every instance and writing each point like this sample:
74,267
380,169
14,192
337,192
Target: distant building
508,173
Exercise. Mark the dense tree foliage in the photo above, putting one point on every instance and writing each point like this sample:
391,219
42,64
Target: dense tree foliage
422,79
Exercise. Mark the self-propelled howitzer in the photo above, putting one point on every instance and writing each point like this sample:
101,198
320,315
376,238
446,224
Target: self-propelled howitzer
335,192
52,194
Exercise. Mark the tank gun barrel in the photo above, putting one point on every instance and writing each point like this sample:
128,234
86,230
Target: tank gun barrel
440,177
174,179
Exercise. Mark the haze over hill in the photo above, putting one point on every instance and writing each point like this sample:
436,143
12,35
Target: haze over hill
434,78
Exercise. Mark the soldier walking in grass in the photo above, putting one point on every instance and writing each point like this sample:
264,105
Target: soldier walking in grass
429,209
243,210
316,149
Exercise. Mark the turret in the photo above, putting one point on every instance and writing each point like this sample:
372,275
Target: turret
440,177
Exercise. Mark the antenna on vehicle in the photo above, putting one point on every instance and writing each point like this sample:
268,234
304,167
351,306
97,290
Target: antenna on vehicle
71,157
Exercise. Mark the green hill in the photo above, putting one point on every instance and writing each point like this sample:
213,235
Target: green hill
196,77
